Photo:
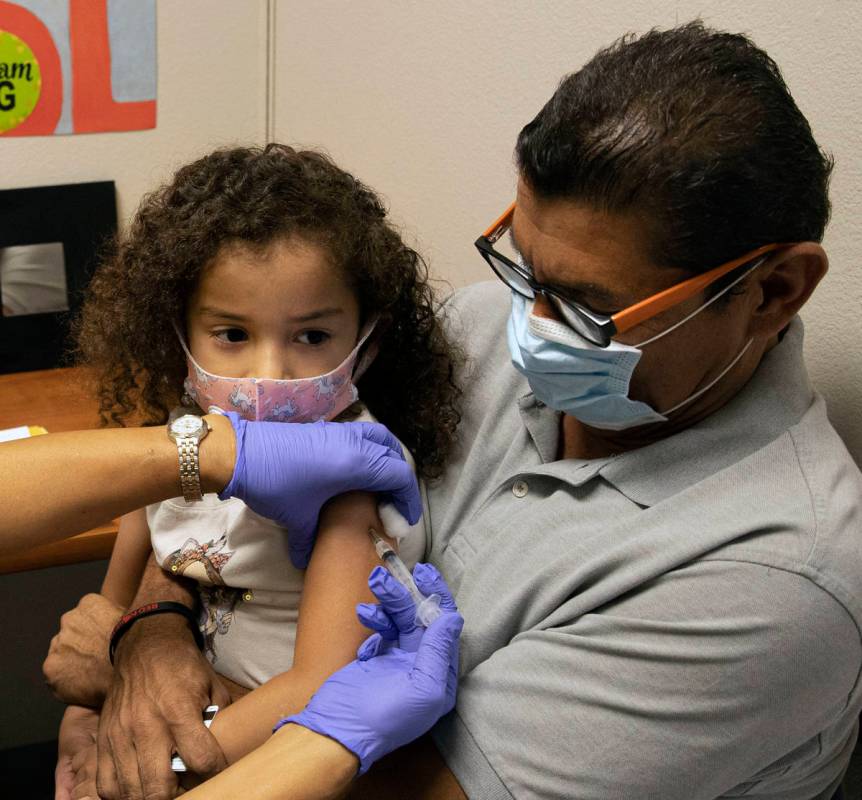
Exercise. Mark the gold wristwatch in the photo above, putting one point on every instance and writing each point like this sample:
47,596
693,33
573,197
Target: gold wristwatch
188,430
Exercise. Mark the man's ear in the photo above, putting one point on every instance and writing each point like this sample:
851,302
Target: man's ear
784,284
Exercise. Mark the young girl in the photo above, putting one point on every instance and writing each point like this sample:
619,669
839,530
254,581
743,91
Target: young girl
268,282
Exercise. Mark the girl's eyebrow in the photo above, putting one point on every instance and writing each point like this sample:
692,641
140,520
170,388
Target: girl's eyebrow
310,316
220,312
319,314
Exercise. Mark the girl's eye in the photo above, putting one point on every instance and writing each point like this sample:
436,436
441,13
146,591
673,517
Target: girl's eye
313,337
231,335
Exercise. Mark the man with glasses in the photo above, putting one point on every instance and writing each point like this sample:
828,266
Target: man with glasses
651,529
650,526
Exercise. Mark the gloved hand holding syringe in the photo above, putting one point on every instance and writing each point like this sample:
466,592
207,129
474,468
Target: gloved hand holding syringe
427,608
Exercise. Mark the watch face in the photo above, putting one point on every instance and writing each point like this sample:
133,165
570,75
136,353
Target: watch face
187,425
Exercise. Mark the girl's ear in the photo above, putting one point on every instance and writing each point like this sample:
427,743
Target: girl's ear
784,284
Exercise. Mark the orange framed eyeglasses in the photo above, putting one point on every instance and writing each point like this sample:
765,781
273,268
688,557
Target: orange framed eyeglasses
599,328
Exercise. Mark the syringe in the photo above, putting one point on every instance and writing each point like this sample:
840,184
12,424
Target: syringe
427,608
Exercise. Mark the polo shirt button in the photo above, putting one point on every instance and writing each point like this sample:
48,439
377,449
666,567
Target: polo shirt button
520,488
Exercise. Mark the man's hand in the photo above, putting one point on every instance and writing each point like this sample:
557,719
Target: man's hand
288,471
162,684
76,745
84,766
77,667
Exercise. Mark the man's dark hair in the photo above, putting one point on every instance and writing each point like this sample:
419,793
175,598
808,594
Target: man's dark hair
693,127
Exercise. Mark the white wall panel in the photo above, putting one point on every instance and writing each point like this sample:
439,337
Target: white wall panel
424,102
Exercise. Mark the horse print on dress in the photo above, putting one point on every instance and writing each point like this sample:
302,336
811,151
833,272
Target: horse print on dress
204,563
217,607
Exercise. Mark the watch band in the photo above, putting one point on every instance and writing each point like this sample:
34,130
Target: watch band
190,468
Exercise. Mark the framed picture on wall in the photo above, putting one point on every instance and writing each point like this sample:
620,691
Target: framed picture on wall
50,241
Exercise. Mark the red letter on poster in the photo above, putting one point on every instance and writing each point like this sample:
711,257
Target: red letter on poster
93,105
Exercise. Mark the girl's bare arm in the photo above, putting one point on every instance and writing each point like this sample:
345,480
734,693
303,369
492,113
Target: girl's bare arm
328,633
128,559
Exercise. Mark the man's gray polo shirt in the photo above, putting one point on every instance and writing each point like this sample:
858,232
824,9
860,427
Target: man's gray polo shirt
680,621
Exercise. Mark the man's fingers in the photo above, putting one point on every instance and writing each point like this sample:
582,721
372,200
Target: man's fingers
429,581
219,694
158,780
84,765
64,779
128,777
198,748
107,783
435,651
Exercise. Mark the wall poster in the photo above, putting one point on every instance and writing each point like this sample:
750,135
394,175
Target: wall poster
77,66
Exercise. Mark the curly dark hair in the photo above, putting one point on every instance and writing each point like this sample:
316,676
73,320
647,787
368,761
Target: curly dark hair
255,196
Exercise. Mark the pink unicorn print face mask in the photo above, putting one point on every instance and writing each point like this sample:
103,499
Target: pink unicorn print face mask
322,397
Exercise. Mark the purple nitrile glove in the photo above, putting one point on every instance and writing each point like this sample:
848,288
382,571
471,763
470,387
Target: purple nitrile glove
395,616
286,471
390,696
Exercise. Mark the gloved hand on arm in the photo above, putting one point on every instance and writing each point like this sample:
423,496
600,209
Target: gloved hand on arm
288,471
403,680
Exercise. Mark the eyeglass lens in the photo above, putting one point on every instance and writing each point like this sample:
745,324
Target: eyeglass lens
510,276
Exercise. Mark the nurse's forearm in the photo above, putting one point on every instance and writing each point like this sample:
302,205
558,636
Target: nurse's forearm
56,486
293,764
248,723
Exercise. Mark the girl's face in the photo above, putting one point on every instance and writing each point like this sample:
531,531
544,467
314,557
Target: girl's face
282,313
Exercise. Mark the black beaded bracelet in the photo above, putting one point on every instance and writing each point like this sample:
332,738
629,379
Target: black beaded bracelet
165,607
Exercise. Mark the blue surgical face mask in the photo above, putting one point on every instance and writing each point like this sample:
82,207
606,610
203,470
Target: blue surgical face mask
591,383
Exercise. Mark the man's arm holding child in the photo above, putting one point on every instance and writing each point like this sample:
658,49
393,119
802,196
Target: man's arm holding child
161,684
77,667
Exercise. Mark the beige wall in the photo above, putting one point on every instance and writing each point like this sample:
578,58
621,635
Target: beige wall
211,92
424,101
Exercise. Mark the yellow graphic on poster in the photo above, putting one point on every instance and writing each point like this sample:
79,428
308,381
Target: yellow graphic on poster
20,81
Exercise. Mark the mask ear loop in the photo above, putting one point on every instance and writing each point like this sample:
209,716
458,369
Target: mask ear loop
369,347
712,383
707,304
186,399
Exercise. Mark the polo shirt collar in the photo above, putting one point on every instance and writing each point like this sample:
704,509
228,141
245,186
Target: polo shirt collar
773,400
